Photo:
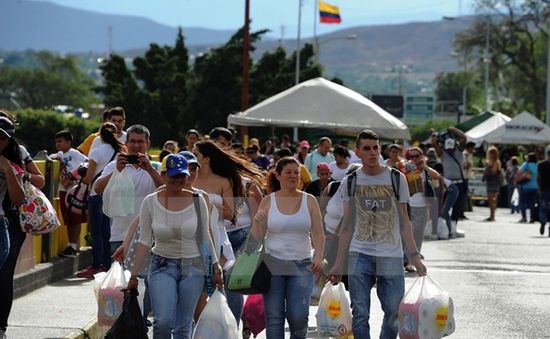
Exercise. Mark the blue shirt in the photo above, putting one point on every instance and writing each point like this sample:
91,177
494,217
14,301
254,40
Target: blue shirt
532,168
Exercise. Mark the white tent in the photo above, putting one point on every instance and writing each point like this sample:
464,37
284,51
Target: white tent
522,129
478,133
319,103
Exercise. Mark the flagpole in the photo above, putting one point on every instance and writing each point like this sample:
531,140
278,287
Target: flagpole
246,61
297,75
315,40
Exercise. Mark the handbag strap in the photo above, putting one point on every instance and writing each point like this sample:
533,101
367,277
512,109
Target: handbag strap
196,203
100,172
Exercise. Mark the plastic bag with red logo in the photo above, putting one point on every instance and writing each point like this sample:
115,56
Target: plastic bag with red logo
334,314
426,311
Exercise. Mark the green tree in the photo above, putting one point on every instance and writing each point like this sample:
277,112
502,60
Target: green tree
450,86
37,128
422,132
517,35
53,81
155,92
274,72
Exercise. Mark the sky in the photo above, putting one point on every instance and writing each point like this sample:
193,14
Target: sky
280,16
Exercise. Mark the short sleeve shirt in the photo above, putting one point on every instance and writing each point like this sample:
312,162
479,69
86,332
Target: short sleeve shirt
377,226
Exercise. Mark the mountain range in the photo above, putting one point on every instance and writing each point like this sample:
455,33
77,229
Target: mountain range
415,51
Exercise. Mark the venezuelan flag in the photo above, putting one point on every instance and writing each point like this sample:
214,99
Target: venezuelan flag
329,14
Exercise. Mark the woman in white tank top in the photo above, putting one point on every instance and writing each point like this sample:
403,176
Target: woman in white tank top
290,220
220,175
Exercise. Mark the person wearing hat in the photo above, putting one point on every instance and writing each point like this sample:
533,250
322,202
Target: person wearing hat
303,151
169,226
323,179
260,160
11,187
452,160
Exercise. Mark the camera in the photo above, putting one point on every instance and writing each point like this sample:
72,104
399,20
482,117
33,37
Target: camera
132,158
442,136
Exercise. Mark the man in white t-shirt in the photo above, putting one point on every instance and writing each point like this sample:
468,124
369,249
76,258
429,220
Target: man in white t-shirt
371,238
144,173
117,116
70,160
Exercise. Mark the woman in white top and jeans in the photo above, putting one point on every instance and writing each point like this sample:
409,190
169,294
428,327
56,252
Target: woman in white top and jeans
291,221
168,219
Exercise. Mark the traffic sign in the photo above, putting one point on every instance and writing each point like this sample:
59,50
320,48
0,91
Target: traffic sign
418,109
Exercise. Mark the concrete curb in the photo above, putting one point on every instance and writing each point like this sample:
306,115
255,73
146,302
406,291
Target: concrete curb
92,330
54,270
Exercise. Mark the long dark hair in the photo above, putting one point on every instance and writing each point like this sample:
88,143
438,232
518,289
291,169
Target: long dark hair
108,137
229,166
273,184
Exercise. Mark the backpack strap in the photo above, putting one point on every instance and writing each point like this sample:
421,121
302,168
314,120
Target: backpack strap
395,182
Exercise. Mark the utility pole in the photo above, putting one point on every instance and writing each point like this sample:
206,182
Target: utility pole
548,79
246,61
297,75
110,39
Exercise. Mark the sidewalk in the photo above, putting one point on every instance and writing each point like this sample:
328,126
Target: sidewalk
68,307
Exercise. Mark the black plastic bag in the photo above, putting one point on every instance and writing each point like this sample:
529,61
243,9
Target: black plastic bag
130,323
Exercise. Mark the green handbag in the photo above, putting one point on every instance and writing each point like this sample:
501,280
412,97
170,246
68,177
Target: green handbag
250,275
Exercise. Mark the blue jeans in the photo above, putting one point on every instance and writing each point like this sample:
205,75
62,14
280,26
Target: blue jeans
288,297
236,300
4,241
363,272
451,197
101,233
544,200
460,203
527,200
174,286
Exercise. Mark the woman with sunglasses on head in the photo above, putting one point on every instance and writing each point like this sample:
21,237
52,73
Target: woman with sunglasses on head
171,220
11,236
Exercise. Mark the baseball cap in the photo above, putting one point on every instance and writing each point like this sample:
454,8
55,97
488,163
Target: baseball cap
305,144
6,127
323,166
450,143
176,164
190,157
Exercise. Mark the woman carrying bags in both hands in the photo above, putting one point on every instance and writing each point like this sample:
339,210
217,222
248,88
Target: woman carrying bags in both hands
290,221
176,277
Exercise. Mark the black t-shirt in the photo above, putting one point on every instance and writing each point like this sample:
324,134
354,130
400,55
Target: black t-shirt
544,175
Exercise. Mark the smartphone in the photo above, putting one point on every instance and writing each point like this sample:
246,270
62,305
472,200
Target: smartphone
132,158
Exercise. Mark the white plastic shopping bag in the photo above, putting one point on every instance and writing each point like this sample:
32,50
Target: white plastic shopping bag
216,320
426,311
110,297
118,196
334,314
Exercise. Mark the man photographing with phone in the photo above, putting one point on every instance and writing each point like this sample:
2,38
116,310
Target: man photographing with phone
145,176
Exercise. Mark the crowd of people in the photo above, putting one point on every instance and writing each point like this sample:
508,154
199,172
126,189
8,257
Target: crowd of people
355,214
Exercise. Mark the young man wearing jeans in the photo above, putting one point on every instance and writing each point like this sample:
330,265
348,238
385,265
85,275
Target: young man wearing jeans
371,236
